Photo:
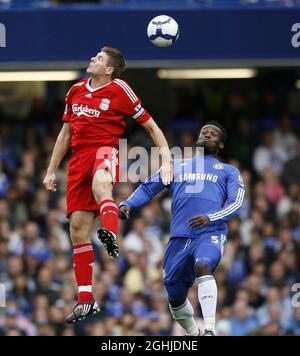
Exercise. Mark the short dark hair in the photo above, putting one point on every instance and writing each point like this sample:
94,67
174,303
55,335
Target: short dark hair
221,127
115,60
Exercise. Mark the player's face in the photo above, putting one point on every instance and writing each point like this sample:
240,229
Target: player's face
99,65
210,139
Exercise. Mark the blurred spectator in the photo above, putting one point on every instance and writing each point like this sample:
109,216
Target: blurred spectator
268,155
284,137
291,171
242,322
274,308
4,184
294,324
241,143
274,190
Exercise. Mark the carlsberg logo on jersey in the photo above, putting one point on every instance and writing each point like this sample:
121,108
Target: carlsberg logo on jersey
198,176
85,110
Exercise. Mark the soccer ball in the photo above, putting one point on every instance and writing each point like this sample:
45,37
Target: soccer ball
163,31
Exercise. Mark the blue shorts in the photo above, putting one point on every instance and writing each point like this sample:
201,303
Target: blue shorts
181,257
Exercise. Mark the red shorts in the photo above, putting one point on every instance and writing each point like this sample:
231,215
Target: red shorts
81,169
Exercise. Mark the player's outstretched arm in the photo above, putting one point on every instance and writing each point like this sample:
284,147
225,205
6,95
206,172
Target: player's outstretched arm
60,149
142,195
166,170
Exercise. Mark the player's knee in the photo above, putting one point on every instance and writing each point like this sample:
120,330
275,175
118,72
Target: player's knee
78,232
98,194
184,311
202,269
102,177
102,191
177,293
176,303
76,226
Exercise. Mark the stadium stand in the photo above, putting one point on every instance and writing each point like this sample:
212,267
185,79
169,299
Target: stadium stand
261,260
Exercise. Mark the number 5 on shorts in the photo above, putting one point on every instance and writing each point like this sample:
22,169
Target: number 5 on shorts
215,240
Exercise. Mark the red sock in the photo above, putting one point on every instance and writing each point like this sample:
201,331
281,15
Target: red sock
109,215
83,267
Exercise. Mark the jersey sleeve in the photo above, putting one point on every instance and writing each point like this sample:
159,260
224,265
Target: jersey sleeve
68,108
145,192
130,105
235,196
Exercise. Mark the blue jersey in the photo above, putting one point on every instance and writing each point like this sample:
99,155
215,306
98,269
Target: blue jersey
201,186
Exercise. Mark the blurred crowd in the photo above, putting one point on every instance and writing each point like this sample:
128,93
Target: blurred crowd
224,3
259,267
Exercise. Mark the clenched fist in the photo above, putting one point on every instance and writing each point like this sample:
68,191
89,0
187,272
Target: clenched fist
124,212
50,181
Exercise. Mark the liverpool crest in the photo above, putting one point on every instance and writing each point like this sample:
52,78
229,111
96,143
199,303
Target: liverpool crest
104,105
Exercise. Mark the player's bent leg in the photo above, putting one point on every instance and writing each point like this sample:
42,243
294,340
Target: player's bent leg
102,190
81,223
102,185
181,309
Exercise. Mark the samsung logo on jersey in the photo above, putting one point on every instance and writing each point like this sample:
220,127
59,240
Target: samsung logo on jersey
198,176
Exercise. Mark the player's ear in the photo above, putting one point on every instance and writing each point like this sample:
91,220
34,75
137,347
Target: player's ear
221,145
110,70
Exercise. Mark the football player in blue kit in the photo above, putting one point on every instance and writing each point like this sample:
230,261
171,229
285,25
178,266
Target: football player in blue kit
206,194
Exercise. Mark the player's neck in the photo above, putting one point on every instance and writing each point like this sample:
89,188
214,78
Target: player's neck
98,82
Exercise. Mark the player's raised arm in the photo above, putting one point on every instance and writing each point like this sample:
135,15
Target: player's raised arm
61,147
160,141
142,195
131,106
